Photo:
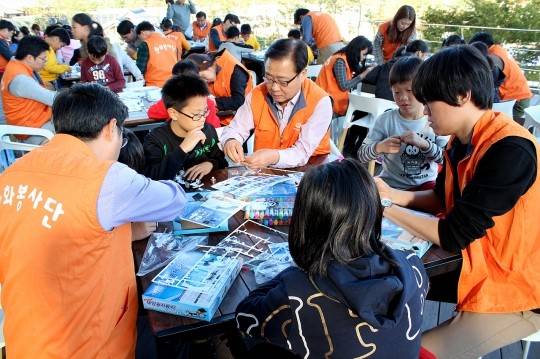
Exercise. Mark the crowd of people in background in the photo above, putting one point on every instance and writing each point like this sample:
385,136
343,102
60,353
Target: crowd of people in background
442,150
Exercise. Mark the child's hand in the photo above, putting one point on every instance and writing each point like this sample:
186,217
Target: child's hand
199,171
389,145
412,138
192,138
141,230
233,149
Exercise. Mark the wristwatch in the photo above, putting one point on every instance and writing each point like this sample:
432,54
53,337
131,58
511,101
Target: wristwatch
386,202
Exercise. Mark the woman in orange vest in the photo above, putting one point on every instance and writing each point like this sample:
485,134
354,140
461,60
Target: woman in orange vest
343,71
515,85
489,191
392,34
228,80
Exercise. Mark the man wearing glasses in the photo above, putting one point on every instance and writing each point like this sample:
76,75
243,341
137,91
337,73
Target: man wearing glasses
289,113
68,213
126,30
26,100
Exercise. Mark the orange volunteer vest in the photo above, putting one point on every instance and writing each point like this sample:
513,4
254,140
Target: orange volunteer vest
18,110
68,286
222,37
266,124
325,29
221,87
199,33
327,81
388,48
515,86
163,57
500,271
179,40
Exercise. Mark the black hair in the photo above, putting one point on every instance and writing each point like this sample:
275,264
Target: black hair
294,49
452,72
322,228
484,37
217,21
180,88
97,46
85,109
24,30
245,29
232,18
411,48
35,27
144,26
480,46
14,37
185,67
50,28
295,34
61,34
132,154
404,12
124,27
31,45
166,24
453,40
232,32
200,14
69,30
4,24
404,69
352,52
85,20
202,61
298,14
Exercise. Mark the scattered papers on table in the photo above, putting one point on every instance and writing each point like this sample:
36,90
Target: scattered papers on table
244,186
398,238
210,208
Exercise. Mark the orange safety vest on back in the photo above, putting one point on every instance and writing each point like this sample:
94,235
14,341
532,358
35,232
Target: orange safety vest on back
162,58
328,82
325,29
179,39
388,48
266,124
198,33
68,285
22,111
515,86
500,271
222,37
221,87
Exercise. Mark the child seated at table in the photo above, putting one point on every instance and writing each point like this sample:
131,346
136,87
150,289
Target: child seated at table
410,149
186,142
158,111
350,296
100,67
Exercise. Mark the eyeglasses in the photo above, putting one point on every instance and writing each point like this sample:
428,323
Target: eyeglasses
281,83
197,116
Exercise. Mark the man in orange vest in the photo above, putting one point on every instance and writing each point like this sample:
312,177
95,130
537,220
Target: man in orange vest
26,100
217,33
319,30
156,55
201,27
515,85
489,189
172,33
289,113
66,266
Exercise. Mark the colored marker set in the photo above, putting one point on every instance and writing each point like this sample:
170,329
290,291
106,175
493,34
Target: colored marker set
274,211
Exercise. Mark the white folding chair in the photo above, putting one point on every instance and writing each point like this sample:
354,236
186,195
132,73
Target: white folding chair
532,120
373,106
313,71
531,338
8,145
505,107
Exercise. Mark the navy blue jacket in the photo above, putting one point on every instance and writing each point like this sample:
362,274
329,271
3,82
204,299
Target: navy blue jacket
369,307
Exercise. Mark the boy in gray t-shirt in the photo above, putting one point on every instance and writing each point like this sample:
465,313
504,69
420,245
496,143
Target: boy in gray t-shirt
410,149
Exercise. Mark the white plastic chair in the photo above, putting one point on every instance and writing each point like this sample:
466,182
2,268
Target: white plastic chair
373,106
505,107
8,145
531,338
313,71
532,120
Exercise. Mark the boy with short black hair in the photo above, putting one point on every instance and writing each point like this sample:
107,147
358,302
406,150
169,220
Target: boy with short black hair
233,43
101,67
56,38
249,38
186,142
6,31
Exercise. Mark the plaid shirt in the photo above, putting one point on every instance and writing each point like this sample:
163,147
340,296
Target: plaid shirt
143,54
